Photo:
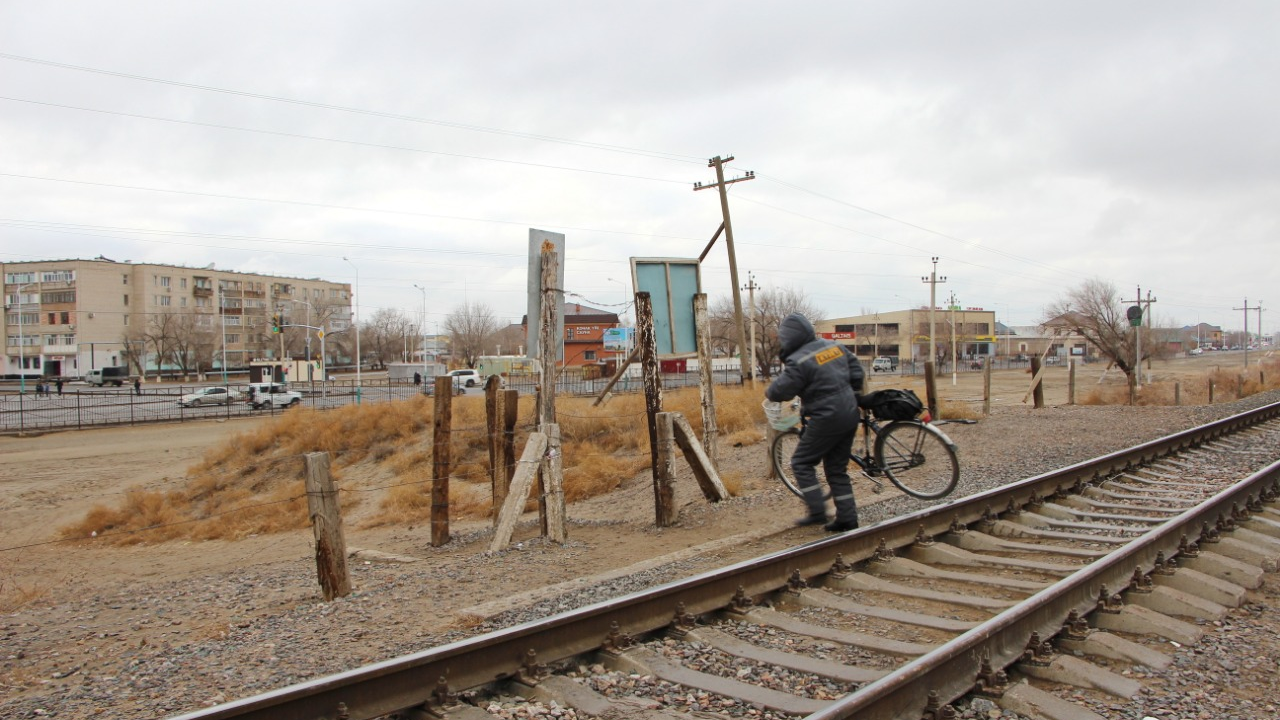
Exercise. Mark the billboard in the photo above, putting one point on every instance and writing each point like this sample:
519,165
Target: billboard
671,284
619,339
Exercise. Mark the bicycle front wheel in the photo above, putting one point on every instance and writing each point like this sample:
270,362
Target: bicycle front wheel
918,459
784,446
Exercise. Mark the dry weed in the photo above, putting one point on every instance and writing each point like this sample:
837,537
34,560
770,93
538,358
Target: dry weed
13,596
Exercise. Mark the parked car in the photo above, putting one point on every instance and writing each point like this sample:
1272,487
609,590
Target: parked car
210,396
262,395
1196,351
429,385
470,377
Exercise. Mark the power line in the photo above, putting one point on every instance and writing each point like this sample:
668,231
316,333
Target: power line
357,143
358,111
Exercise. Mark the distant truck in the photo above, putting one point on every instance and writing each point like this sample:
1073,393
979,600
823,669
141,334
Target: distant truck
503,365
884,364
117,375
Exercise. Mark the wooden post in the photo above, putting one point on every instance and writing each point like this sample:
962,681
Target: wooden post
552,474
931,390
1037,391
512,507
710,428
664,495
1071,382
1133,386
986,388
703,469
442,455
493,424
326,524
548,343
1210,392
510,414
1177,393
548,346
1239,386
648,344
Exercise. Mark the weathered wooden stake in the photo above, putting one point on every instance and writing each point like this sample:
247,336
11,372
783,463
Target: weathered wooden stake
1037,383
510,414
1210,392
493,440
703,469
1071,382
986,388
526,470
1239,386
931,390
442,457
1177,393
647,342
548,343
664,495
326,524
710,427
552,474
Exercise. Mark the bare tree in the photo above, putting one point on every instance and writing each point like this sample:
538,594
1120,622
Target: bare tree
385,336
1093,310
772,305
194,342
469,326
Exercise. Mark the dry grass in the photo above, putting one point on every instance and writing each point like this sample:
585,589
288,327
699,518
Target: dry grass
253,484
1226,386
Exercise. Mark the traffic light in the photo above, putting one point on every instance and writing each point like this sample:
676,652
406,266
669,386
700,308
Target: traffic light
275,324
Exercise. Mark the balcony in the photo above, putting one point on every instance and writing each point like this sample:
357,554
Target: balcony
202,291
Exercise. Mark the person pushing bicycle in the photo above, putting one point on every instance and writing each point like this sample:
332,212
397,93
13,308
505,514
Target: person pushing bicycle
827,378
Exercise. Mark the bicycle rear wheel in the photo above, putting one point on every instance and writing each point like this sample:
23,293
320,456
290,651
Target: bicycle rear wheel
784,446
918,459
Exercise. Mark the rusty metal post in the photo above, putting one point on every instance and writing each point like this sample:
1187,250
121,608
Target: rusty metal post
442,460
326,524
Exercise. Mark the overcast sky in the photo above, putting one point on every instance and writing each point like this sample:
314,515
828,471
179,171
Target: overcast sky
1029,146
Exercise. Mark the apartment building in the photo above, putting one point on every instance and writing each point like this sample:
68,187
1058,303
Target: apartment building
904,334
66,317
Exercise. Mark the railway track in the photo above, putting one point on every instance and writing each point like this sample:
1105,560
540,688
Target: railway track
1068,578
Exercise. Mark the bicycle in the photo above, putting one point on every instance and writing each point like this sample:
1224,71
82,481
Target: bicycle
915,455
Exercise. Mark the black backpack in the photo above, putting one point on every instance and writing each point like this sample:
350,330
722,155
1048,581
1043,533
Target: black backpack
892,404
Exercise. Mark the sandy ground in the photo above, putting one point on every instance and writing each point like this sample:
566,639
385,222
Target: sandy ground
51,480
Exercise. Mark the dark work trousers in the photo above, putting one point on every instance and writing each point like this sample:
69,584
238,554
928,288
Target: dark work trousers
833,452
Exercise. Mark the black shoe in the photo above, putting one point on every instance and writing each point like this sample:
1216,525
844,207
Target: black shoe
808,520
838,526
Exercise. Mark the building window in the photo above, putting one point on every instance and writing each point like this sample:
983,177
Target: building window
19,278
182,302
53,318
126,300
126,279
58,276
126,320
589,355
66,318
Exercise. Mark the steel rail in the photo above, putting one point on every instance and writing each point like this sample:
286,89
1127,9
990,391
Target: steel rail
420,678
950,669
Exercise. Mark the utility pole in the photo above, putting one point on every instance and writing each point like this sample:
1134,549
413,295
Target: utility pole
955,359
1246,310
718,163
751,295
933,281
1137,329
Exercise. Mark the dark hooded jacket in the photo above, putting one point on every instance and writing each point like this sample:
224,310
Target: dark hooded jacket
824,374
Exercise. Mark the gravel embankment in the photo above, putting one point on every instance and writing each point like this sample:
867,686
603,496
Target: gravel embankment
165,647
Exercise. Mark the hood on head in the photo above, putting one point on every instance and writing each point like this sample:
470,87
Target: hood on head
794,330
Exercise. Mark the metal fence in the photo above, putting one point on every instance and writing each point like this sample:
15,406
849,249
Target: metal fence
78,408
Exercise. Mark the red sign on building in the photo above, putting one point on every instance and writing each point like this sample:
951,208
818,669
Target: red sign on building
839,335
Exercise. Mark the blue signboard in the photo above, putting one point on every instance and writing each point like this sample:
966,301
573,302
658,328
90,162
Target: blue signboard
671,284
619,339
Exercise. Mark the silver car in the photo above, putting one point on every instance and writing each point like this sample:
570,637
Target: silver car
209,396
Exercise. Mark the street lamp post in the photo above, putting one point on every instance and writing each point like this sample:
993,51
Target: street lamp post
422,329
356,306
